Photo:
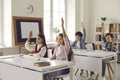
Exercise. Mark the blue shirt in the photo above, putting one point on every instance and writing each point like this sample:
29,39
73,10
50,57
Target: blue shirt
109,46
82,41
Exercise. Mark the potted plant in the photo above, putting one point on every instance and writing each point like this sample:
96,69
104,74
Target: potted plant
56,30
103,19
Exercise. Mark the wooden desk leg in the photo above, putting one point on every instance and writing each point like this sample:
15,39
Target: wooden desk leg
97,77
76,72
111,68
109,72
87,73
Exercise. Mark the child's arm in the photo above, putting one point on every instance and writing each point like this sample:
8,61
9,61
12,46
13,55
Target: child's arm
64,33
42,52
29,46
84,34
102,35
114,47
29,36
84,31
65,37
102,26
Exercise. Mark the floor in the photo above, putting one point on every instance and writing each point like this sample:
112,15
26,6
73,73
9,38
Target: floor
84,78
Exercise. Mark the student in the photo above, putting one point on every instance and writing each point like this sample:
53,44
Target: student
39,49
62,51
108,46
79,43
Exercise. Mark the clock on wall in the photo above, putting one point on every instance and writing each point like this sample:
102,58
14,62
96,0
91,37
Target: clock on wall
29,9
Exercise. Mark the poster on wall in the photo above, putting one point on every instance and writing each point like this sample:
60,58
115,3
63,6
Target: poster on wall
23,25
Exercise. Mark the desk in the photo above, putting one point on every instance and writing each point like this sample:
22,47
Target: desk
92,61
15,67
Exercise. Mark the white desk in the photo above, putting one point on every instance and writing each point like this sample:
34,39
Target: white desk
92,61
14,67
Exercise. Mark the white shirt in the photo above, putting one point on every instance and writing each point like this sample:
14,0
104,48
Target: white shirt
31,47
78,44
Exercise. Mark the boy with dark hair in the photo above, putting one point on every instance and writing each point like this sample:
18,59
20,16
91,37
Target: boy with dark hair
108,46
79,43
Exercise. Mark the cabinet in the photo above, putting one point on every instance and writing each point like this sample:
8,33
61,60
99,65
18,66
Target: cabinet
113,28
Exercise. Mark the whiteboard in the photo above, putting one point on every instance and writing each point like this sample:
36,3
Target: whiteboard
26,27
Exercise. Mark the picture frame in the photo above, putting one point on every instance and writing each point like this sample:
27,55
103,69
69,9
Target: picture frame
23,25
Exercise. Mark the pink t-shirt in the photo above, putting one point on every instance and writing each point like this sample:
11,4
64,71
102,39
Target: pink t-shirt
61,51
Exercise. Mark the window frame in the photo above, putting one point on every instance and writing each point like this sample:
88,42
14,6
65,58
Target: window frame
1,23
51,20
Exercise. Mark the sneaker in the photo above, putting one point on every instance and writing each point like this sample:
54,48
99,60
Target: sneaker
81,73
90,78
92,73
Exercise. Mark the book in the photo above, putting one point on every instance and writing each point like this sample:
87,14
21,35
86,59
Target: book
40,64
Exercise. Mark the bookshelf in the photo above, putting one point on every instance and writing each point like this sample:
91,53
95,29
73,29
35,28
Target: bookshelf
113,28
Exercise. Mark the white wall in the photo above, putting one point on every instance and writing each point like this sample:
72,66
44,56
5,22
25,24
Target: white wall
100,8
77,11
70,18
18,8
86,17
75,15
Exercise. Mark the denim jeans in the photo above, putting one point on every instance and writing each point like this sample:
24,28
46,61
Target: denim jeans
104,62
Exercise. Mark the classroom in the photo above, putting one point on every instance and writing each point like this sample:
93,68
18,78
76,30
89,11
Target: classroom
59,40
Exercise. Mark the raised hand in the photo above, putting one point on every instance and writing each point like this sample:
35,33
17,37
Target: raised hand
82,25
30,34
62,22
64,33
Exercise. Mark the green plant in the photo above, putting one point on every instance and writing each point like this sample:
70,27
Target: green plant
56,30
103,19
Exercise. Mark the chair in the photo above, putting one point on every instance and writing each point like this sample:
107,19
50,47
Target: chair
50,52
90,46
110,70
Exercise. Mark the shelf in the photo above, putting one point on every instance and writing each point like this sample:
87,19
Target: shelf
118,58
113,28
98,29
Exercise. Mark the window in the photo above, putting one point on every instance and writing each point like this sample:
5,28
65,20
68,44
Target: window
54,10
5,23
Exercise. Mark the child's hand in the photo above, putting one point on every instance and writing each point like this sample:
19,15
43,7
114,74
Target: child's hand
82,25
62,22
30,34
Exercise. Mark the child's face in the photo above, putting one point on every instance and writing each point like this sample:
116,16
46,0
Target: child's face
77,37
38,40
60,40
108,38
